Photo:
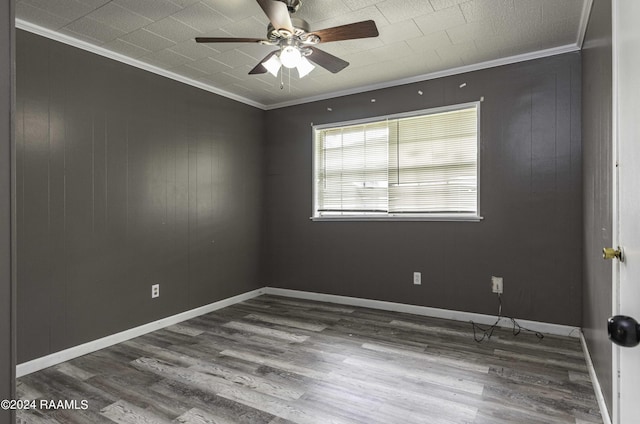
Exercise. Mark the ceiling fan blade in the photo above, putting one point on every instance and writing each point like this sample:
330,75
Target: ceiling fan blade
228,40
259,69
328,61
277,13
364,29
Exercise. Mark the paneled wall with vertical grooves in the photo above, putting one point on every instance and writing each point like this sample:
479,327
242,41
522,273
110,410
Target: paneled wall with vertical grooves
126,179
597,85
7,287
530,198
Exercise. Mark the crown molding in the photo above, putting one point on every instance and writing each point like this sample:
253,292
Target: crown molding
584,22
66,39
569,48
71,41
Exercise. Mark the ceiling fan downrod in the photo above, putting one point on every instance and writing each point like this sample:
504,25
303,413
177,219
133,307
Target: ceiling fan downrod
292,5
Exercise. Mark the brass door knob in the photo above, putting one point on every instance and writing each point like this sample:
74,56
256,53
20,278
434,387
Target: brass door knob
610,253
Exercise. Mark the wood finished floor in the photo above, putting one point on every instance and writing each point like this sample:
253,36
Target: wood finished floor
278,360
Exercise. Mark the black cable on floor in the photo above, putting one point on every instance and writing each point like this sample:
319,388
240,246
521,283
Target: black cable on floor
487,332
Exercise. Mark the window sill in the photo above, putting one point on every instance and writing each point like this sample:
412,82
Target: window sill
435,218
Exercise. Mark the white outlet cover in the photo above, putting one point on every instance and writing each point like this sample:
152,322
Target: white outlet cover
496,284
155,291
417,278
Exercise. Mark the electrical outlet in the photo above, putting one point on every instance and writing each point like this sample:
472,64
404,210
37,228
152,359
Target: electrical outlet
417,278
496,285
155,291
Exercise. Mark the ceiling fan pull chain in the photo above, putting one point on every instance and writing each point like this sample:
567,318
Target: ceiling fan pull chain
282,79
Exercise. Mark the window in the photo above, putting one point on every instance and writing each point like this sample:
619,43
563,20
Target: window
422,165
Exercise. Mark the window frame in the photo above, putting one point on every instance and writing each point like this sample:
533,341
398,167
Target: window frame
477,217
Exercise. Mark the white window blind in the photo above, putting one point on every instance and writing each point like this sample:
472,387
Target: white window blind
425,164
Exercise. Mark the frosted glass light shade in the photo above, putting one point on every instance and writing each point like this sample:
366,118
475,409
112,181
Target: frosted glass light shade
304,67
290,57
273,65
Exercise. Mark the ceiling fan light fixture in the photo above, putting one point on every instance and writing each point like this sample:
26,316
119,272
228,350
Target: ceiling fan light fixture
290,57
273,65
304,67
294,40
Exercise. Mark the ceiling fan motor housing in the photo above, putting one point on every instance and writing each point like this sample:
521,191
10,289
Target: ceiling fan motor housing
301,29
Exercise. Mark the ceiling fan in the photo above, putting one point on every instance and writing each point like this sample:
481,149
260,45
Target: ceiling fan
295,42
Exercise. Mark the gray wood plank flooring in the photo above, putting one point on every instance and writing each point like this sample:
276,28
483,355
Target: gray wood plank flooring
276,360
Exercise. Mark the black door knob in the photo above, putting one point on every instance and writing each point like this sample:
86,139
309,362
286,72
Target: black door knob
624,331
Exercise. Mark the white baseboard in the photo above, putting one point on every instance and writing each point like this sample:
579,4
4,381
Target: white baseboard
604,411
92,346
543,327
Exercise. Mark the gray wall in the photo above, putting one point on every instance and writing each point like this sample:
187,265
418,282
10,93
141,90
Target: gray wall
597,143
7,292
530,199
126,179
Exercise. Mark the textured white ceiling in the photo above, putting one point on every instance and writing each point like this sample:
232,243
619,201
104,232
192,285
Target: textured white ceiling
417,38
